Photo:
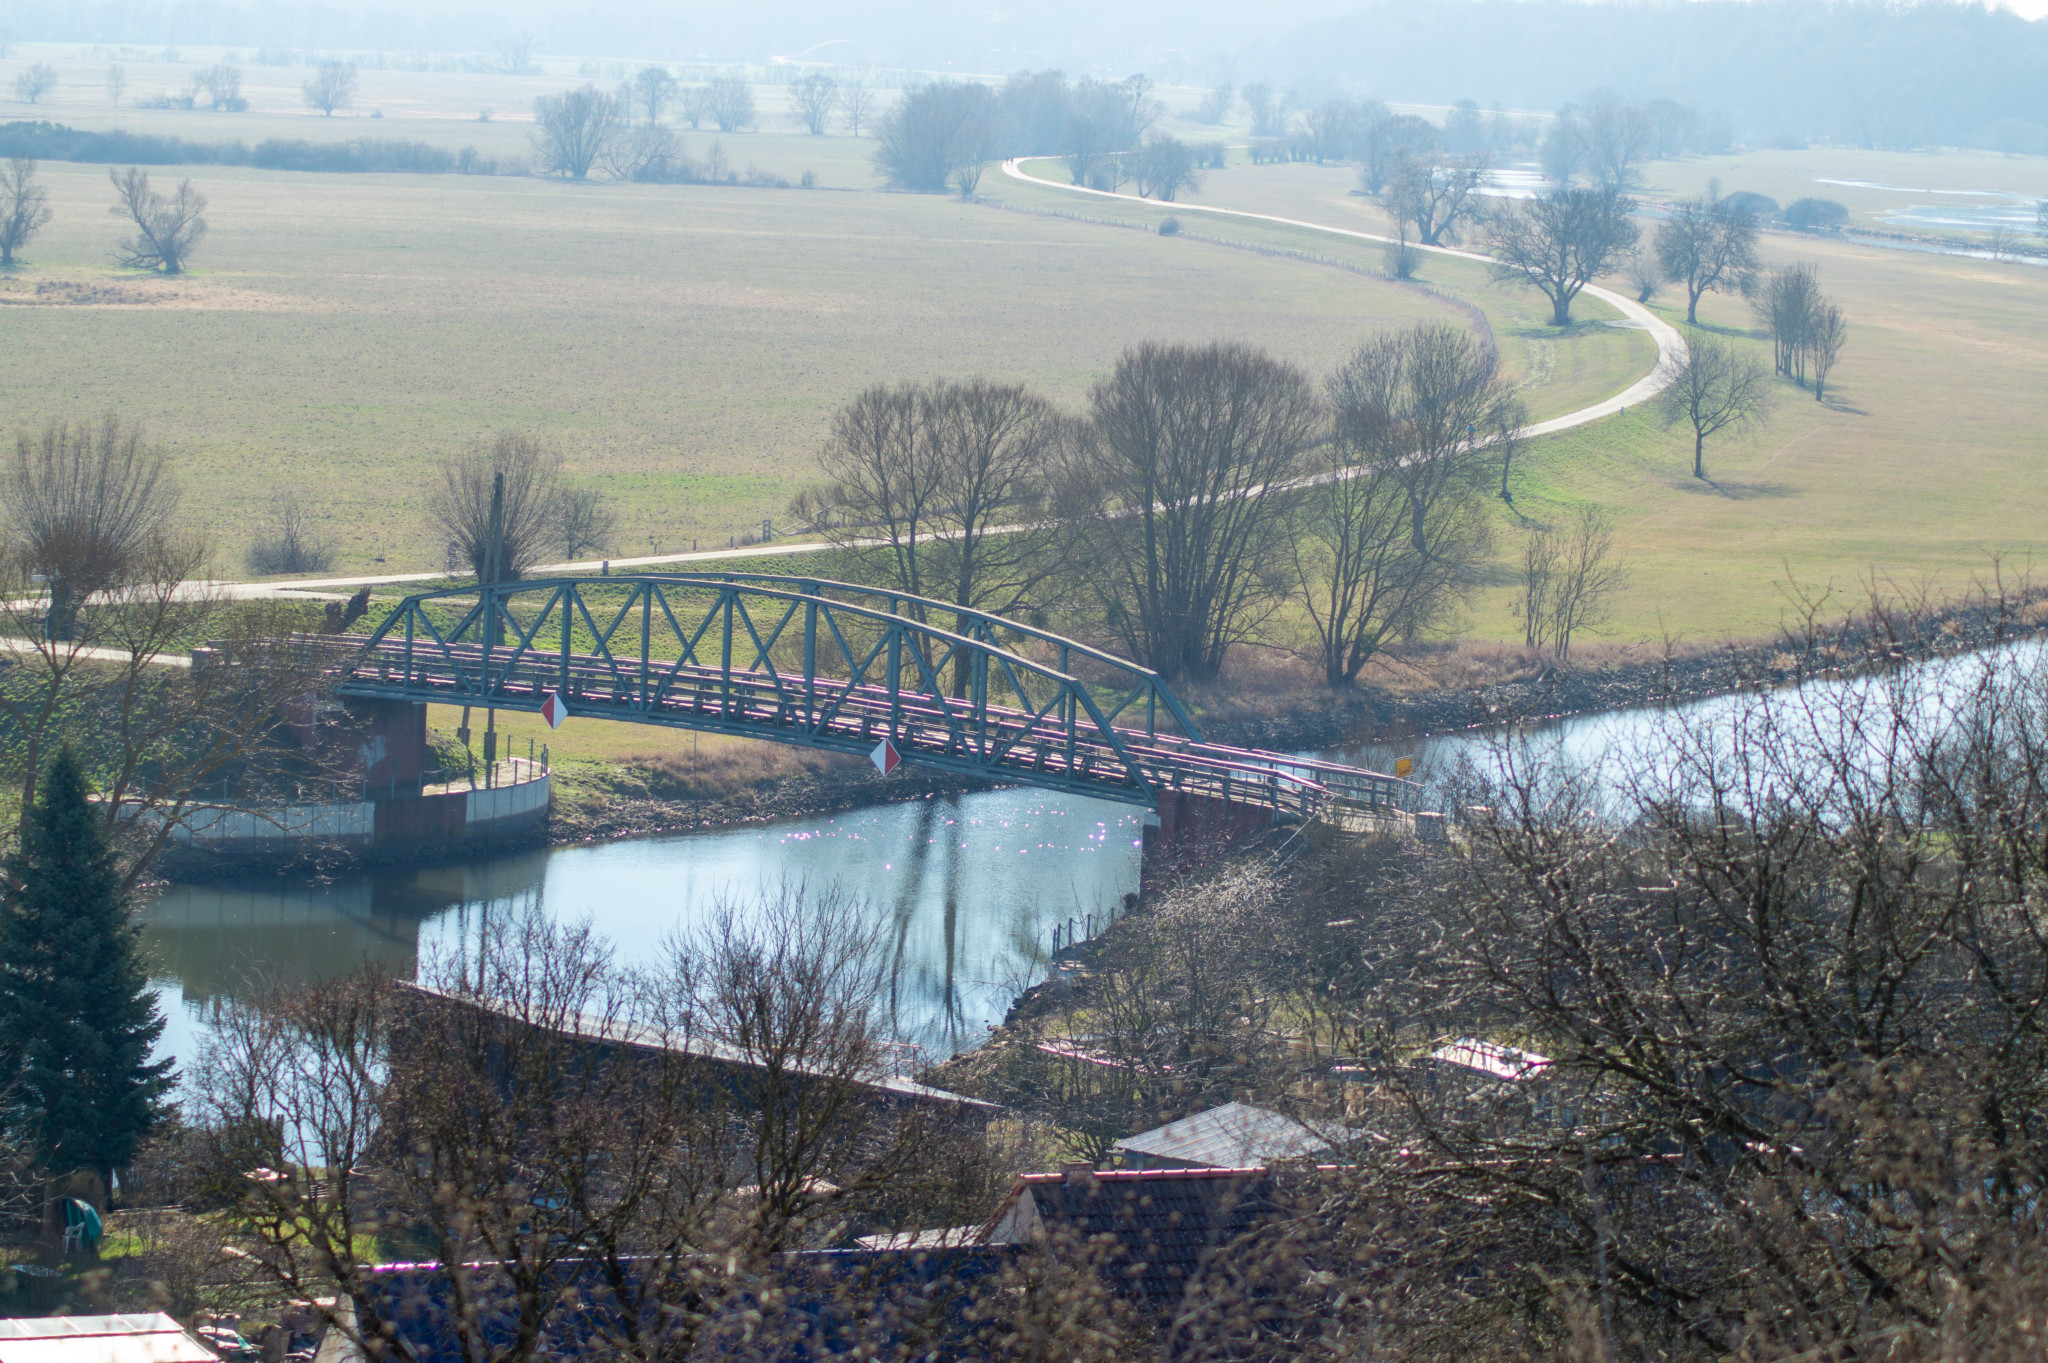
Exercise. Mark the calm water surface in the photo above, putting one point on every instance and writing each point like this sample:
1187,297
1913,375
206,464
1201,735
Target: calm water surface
968,889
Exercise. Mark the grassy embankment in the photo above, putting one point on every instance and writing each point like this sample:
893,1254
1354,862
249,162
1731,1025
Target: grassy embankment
1920,466
684,345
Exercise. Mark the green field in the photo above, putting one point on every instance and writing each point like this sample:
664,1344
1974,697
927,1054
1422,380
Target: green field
685,345
1925,462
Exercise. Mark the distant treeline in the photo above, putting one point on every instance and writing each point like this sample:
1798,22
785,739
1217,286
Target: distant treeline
1871,74
55,142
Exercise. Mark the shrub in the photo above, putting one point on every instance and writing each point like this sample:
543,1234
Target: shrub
289,544
1815,215
1170,228
1759,206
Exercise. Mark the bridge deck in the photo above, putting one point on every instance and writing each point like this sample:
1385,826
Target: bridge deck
858,675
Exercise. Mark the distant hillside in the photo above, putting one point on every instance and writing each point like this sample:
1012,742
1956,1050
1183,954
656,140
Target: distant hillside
1892,75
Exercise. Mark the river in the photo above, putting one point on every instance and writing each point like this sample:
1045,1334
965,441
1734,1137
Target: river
969,888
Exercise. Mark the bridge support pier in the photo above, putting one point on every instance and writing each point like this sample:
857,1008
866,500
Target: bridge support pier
1192,830
391,745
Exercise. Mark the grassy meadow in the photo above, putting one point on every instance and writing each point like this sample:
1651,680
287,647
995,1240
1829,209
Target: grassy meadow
686,345
1924,462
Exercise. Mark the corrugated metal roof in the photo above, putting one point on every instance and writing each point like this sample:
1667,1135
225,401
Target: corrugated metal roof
149,1338
1490,1058
1228,1137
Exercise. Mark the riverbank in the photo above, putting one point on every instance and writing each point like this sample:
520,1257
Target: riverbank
1273,700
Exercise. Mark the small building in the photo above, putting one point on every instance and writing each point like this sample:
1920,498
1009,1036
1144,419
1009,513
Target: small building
1233,1136
1161,1228
151,1337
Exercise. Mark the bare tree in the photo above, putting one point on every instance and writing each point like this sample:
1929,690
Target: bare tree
1561,242
1167,483
648,152
1362,583
1826,333
635,1149
1719,1144
1387,138
117,83
655,88
1784,302
573,129
933,133
584,521
1164,167
290,544
528,516
857,104
1808,330
1713,388
1435,196
100,588
1216,104
1707,245
693,102
222,82
332,87
1393,528
85,507
1568,581
33,83
1645,273
1418,400
812,100
1615,136
24,207
1268,111
729,102
305,1071
952,477
166,229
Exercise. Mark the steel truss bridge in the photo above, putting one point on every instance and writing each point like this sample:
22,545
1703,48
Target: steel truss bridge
837,666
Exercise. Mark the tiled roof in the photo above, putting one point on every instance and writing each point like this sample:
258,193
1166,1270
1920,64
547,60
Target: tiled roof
827,1304
1164,1223
1232,1136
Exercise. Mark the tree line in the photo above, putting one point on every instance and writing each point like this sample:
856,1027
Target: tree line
939,135
1202,491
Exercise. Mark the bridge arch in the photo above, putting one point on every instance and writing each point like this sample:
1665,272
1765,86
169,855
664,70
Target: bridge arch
836,666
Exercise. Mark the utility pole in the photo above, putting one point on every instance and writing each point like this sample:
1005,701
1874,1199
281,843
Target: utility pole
494,569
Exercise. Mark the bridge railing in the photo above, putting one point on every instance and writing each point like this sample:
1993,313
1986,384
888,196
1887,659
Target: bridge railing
738,655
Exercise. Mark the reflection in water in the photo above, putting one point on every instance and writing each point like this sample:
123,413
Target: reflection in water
967,890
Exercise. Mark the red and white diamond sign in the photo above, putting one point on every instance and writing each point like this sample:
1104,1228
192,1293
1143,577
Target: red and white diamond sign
554,710
885,757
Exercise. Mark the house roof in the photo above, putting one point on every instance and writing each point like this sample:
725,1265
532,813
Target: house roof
808,1305
1232,1136
1162,1224
151,1337
1491,1059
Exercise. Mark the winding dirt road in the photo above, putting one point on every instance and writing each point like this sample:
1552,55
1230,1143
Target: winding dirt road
1670,347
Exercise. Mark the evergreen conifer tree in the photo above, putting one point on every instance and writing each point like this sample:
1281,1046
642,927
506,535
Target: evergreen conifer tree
76,1013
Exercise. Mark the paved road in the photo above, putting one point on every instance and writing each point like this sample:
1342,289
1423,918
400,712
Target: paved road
1670,346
